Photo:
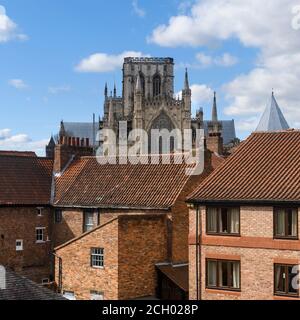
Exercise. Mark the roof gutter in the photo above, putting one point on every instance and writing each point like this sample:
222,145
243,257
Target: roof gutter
109,207
244,202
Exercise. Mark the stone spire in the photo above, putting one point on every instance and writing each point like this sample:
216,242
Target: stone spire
62,131
214,116
105,90
272,118
186,81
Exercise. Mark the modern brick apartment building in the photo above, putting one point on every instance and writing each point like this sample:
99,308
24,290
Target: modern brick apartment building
244,223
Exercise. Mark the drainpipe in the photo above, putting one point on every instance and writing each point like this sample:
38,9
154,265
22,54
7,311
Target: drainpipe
198,254
59,272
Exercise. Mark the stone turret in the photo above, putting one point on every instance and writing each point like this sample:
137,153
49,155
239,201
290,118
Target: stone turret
138,101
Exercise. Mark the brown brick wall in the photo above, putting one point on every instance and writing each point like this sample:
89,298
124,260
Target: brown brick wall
19,223
142,244
256,249
180,218
79,276
132,246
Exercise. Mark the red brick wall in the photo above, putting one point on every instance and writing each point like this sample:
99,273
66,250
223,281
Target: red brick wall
19,223
256,249
132,245
142,244
79,276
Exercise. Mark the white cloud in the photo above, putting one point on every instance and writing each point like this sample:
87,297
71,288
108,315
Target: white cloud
59,89
20,142
8,28
201,93
18,84
225,60
137,9
103,62
265,26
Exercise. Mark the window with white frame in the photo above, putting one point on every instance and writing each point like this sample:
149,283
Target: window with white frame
40,235
88,221
39,211
45,281
97,257
97,295
70,295
19,245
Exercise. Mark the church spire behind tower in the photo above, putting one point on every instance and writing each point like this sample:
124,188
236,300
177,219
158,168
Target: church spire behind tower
214,116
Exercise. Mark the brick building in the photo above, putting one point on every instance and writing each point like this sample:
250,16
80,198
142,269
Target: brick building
243,237
115,213
25,214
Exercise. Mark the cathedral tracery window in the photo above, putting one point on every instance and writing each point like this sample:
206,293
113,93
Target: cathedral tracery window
156,85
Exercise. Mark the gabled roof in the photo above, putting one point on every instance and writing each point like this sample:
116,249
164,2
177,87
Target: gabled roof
266,168
25,180
86,183
21,288
272,118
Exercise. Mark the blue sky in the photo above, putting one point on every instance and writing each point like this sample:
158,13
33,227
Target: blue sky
43,44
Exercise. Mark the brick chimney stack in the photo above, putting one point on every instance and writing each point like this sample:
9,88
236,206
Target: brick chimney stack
69,148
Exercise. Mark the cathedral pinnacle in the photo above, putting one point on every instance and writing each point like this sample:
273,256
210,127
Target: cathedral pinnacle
214,109
186,80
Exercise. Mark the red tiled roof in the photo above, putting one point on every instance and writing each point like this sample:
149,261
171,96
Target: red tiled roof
87,183
25,180
266,167
18,153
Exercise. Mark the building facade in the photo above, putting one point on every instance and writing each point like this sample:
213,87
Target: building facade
147,102
244,238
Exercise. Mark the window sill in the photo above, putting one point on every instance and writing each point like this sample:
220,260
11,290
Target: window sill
97,268
223,291
286,238
286,297
40,242
224,235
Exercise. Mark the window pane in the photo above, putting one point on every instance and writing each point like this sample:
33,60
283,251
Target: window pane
212,219
280,278
280,223
236,275
235,220
292,275
212,273
294,223
223,274
224,221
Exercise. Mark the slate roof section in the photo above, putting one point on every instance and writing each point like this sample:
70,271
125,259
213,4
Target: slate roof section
88,130
265,168
82,130
272,118
25,180
86,183
21,288
228,130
